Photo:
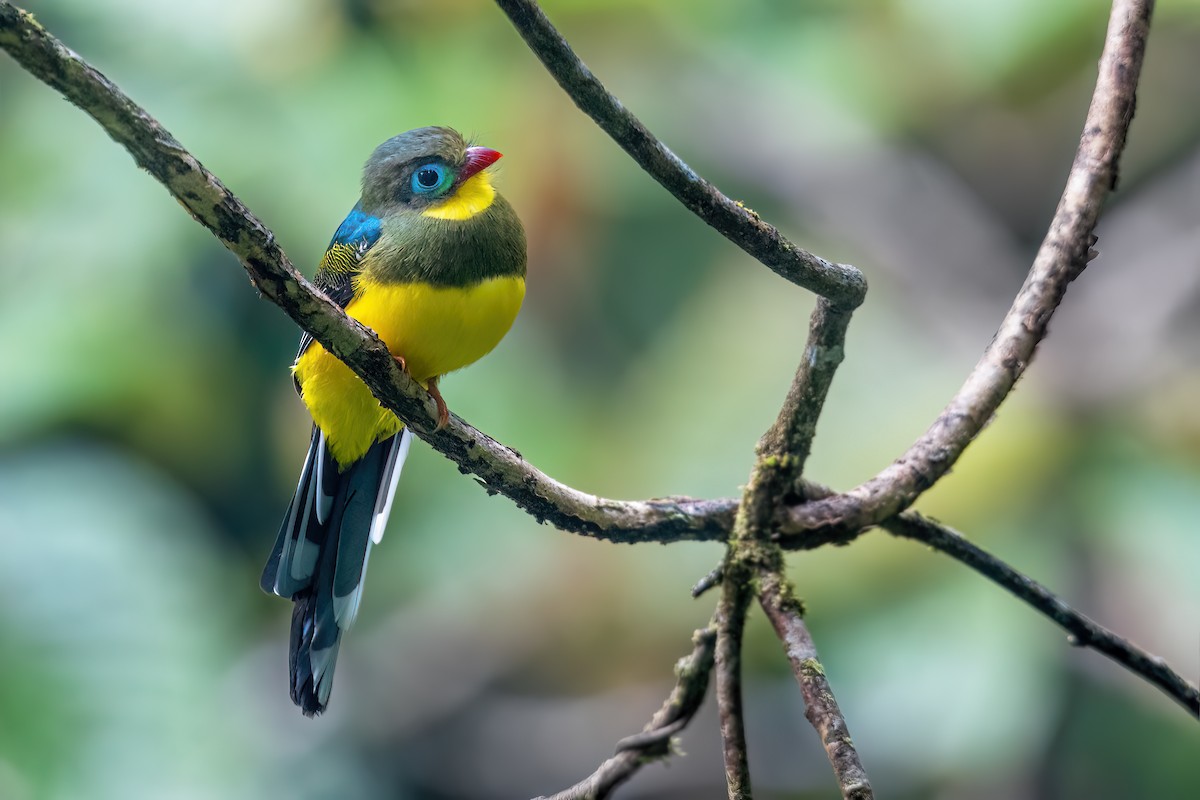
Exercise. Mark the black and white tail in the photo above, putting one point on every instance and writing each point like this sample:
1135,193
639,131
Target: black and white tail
320,557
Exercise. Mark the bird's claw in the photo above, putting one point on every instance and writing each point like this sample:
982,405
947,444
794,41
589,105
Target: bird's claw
443,413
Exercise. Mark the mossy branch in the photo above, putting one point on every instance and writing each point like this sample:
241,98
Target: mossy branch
754,563
786,614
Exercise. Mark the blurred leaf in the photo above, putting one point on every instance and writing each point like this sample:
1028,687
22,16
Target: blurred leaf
116,630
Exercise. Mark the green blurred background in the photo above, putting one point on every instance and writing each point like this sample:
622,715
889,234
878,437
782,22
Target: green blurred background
150,438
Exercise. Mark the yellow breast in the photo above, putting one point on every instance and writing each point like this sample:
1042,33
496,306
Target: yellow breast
436,329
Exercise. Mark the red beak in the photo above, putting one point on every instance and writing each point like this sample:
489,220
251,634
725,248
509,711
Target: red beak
478,159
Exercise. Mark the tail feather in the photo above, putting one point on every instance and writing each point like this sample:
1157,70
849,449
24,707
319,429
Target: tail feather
358,513
383,503
281,553
320,557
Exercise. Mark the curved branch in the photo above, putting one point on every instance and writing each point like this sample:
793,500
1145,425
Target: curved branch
500,469
1062,257
654,742
842,284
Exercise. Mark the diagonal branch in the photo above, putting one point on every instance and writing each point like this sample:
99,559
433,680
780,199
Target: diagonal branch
840,283
820,706
498,468
1084,632
655,740
1062,257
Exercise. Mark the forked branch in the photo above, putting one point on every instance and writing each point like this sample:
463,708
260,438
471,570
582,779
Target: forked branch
1084,632
753,562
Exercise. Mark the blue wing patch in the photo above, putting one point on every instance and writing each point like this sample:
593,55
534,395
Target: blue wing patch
354,237
358,226
358,231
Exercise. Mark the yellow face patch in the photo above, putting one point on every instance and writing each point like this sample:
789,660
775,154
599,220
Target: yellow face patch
474,196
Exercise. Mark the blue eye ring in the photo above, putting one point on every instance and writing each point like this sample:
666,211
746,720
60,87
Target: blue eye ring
431,178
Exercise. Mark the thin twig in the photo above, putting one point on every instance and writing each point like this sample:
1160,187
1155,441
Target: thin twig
840,283
820,707
654,742
1084,632
497,467
911,525
1062,257
731,623
709,581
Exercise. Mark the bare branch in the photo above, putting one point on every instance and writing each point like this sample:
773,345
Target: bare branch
820,707
654,742
842,284
1084,632
795,427
731,624
1062,257
498,468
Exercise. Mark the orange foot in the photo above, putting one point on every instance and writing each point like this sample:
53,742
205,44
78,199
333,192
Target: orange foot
443,413
402,363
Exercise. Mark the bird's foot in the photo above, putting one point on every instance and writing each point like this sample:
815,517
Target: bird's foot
400,362
443,413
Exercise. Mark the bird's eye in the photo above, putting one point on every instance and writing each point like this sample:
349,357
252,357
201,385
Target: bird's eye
430,178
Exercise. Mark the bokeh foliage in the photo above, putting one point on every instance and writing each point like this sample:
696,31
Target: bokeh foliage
149,435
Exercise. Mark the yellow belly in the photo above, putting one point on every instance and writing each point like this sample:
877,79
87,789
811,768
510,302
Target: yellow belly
436,329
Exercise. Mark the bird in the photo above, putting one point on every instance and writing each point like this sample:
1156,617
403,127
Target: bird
432,259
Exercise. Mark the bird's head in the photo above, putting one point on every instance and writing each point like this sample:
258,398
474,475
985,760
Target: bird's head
430,170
